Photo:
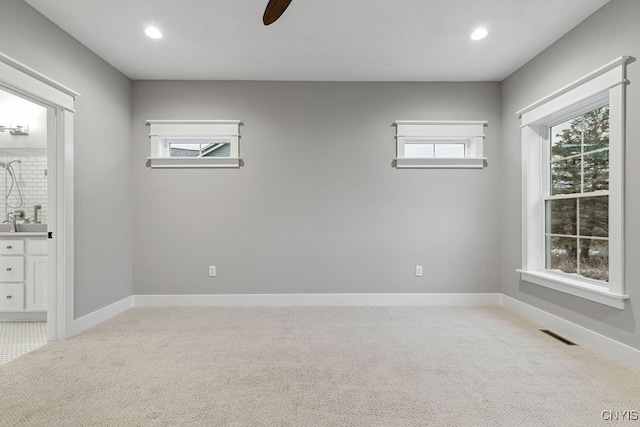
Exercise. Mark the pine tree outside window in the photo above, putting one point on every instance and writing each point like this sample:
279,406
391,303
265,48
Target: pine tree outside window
577,207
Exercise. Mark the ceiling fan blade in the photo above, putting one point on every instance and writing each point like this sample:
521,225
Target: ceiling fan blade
274,10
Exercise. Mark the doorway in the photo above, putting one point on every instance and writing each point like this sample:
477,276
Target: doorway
47,289
23,227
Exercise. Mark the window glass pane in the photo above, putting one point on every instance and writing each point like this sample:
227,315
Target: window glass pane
566,138
449,150
596,171
594,259
562,254
562,217
579,138
596,129
216,150
184,150
594,216
418,150
565,176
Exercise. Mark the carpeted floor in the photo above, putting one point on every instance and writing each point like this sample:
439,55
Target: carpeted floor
314,366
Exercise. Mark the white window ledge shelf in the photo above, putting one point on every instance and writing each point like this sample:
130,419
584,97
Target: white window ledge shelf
576,287
193,162
441,163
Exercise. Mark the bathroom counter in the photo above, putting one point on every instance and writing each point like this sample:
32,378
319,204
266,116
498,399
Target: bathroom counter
22,234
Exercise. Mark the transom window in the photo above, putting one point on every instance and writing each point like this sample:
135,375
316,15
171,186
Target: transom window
194,143
427,144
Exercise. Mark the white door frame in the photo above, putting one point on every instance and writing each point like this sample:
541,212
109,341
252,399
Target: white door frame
59,100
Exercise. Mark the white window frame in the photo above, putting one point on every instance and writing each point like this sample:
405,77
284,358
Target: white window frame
164,132
469,133
606,85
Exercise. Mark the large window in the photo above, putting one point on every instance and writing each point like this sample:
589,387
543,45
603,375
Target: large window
573,188
577,204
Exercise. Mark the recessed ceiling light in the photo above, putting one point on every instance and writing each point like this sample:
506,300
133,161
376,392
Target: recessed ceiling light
153,32
479,34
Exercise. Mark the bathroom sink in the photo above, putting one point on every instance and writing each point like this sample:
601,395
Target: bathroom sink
31,228
24,228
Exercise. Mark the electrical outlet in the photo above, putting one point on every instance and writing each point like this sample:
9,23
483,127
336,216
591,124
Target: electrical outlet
212,271
418,271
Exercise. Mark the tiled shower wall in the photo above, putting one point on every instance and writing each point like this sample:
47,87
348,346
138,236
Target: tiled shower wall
31,174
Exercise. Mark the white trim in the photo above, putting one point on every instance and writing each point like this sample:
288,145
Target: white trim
576,287
193,128
580,335
63,227
614,73
27,81
194,122
95,318
59,101
606,85
193,162
440,163
617,132
585,337
470,123
285,300
469,133
279,300
164,132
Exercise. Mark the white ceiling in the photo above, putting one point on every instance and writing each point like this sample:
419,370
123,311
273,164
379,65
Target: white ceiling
329,40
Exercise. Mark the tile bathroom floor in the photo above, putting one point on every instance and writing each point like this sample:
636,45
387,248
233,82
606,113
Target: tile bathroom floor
18,338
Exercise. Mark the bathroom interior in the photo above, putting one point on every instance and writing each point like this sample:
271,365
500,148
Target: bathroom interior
23,225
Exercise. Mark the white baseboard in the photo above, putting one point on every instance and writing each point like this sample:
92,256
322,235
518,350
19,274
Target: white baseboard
90,320
613,349
283,300
278,300
580,335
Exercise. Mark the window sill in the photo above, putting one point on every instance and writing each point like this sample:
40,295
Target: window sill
576,287
441,163
193,162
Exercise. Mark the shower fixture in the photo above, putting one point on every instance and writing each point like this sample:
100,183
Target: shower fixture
15,130
14,182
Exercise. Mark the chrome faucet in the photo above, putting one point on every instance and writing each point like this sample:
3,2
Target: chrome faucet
11,219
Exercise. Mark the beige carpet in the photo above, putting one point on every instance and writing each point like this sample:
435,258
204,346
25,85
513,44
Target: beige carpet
314,366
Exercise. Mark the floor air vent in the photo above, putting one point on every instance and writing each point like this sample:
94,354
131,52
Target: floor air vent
558,337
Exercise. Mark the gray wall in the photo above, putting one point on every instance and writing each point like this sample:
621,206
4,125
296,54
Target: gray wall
103,191
611,32
317,207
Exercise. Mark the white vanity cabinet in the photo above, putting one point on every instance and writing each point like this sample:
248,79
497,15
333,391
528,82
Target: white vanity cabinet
36,277
23,274
11,296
